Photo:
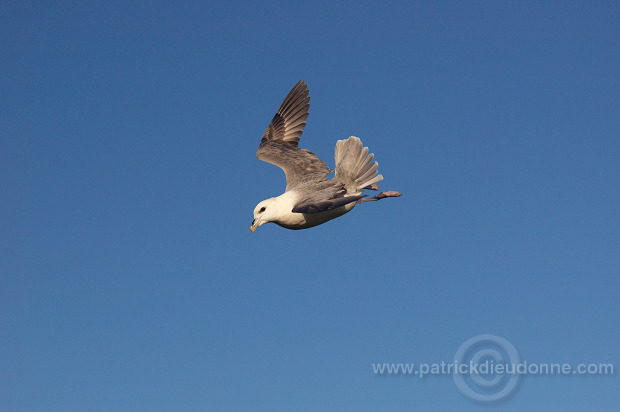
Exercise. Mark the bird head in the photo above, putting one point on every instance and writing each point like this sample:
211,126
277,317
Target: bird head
263,213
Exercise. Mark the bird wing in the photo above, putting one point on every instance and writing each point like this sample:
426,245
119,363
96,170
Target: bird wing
281,138
322,196
323,205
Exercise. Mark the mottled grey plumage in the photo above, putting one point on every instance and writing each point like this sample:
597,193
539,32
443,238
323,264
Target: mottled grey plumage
279,145
310,199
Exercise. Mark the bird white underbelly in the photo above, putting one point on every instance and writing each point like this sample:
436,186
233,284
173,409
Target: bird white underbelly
291,220
305,220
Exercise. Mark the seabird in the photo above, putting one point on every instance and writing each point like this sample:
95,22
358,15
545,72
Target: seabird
310,199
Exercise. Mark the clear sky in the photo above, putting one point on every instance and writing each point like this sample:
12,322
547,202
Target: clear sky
129,278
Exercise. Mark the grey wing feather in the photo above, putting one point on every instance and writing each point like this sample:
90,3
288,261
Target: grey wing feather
279,143
316,207
289,121
326,195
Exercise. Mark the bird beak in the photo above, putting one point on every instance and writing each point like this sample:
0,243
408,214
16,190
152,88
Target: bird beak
253,226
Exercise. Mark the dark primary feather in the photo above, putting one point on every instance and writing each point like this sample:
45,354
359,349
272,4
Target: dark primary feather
325,195
290,119
279,143
321,206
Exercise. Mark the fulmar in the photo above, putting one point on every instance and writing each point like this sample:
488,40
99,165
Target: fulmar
310,199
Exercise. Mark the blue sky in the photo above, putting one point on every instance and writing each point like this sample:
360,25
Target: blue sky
130,280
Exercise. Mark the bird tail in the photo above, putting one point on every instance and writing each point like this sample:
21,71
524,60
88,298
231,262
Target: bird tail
354,165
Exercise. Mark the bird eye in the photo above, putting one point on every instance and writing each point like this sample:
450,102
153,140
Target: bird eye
262,209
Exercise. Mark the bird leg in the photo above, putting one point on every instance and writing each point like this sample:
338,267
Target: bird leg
382,195
373,186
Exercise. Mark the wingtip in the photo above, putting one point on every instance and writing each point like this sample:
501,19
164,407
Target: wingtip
301,85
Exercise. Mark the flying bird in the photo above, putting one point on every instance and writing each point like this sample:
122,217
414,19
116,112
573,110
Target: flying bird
310,199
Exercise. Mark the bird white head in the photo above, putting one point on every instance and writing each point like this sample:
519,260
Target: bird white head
264,212
276,209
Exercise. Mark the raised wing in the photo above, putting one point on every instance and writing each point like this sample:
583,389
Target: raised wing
279,143
289,121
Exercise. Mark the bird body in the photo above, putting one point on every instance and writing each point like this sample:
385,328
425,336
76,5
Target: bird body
280,212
